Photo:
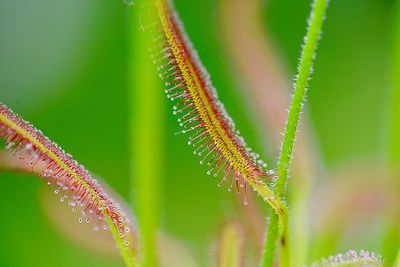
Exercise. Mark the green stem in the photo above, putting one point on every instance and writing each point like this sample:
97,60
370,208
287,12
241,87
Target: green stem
306,62
393,145
146,129
392,233
281,216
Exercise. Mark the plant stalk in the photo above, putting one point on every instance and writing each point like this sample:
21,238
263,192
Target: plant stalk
305,68
282,225
392,233
393,144
146,130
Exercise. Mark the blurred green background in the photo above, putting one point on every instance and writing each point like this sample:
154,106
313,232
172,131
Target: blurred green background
64,67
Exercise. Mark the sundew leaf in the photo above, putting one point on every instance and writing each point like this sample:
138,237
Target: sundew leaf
201,115
75,185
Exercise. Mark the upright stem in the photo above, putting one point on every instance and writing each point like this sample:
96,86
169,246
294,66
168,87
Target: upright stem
146,109
282,225
393,144
305,68
392,233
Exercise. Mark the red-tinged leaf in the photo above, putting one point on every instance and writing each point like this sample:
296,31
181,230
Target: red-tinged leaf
76,186
201,115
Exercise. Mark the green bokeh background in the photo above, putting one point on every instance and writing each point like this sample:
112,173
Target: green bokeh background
63,66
